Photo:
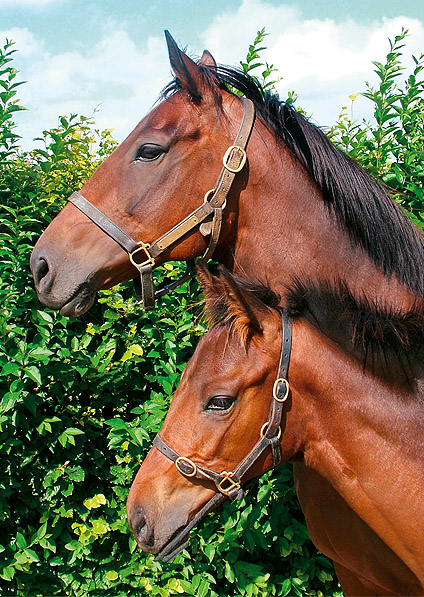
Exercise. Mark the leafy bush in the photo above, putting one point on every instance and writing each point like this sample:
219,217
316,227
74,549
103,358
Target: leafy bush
83,398
391,148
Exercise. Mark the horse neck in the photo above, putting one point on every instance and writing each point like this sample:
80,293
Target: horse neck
362,435
284,231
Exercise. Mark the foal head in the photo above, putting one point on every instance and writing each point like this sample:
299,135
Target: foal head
218,411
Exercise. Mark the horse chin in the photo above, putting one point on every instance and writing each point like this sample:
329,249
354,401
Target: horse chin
78,305
174,535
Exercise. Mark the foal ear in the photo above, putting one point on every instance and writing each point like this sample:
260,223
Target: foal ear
213,290
185,69
240,307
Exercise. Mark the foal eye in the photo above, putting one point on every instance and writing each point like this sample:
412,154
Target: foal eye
149,152
220,403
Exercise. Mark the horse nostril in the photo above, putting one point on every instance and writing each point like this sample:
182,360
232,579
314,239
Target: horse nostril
40,270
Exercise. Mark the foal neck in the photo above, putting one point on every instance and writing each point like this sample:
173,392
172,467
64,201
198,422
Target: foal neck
364,437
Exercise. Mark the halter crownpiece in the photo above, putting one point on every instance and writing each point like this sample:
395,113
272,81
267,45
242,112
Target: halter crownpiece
229,484
208,217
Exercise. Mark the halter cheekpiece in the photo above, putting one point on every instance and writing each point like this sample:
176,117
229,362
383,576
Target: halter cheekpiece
208,217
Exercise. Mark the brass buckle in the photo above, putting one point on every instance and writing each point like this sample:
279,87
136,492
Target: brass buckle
265,427
226,157
143,247
232,484
275,389
189,462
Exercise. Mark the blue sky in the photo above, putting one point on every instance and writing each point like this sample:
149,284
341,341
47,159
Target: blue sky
79,54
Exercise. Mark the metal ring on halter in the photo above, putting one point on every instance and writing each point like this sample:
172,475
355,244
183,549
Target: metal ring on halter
143,247
225,159
232,484
264,428
208,196
181,459
275,389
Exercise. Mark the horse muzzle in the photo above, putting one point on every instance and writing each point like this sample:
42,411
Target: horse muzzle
73,299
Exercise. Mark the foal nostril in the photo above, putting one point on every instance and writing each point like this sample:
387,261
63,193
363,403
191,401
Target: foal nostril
142,531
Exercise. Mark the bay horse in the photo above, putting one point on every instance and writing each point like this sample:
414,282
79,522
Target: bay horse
298,209
333,412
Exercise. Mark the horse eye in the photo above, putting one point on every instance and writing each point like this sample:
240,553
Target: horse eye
220,403
149,152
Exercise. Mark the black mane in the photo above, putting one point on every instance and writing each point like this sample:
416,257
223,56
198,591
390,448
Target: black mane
384,339
361,206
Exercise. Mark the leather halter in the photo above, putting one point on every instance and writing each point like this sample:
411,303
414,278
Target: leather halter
208,217
228,484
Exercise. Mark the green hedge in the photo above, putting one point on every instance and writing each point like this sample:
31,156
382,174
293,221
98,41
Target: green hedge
83,399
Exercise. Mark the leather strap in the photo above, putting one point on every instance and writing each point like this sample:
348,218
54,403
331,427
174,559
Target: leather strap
229,484
102,221
178,543
236,156
181,229
147,287
215,201
216,225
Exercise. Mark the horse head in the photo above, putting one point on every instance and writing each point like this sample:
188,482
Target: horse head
166,166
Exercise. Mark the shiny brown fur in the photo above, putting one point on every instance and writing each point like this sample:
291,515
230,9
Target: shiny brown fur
299,210
350,433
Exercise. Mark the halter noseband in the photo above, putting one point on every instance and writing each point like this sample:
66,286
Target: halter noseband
228,484
208,217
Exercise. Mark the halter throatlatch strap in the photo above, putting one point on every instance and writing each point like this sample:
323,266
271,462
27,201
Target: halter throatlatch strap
229,484
208,217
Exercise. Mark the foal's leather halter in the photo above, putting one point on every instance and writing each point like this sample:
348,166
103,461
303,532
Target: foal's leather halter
208,217
228,484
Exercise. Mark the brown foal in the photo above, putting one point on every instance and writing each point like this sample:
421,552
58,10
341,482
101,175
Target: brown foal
345,425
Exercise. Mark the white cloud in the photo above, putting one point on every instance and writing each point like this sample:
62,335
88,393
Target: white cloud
115,74
25,42
323,61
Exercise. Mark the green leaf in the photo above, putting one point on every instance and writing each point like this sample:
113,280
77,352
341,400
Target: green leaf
11,369
33,373
44,316
229,572
8,573
20,541
100,527
95,502
136,349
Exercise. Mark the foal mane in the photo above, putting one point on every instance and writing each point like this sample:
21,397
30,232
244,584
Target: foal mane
217,310
359,203
387,342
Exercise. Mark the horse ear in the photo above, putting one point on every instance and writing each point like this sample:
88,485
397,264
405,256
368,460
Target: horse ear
240,307
185,69
207,60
